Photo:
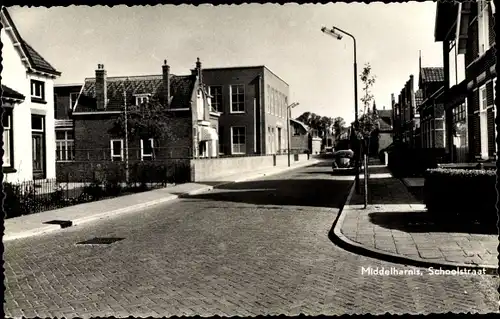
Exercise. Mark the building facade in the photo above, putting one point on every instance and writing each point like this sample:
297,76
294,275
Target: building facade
430,107
191,124
252,102
466,30
28,108
300,140
406,117
65,97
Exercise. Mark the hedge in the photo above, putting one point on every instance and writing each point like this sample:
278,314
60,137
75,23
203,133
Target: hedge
461,192
404,162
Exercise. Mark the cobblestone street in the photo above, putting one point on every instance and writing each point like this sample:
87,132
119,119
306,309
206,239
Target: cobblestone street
251,248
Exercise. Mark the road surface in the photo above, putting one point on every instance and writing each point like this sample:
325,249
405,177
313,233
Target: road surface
251,248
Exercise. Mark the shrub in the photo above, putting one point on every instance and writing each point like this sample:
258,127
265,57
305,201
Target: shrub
461,192
12,203
92,192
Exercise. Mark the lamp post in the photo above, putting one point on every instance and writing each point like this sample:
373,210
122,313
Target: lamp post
333,32
288,111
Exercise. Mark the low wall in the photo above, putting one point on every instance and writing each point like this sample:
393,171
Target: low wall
171,170
203,170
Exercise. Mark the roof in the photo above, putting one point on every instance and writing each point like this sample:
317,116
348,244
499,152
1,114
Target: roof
245,67
36,61
181,88
7,92
446,15
301,124
419,97
385,119
432,74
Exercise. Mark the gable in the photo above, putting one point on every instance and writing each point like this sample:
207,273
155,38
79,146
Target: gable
31,59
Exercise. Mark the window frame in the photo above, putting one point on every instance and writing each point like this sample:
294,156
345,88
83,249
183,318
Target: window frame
232,140
65,142
483,120
35,97
9,163
144,155
216,103
231,87
483,26
139,99
71,101
112,149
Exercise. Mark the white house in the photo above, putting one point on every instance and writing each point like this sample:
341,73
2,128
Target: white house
28,104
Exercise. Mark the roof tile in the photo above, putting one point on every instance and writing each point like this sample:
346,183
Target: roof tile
432,74
8,92
181,88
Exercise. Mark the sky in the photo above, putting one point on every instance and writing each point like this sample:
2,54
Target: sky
285,38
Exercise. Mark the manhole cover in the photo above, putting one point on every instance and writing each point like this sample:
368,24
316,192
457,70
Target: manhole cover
100,241
62,223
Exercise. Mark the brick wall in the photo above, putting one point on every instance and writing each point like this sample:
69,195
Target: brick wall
225,78
299,143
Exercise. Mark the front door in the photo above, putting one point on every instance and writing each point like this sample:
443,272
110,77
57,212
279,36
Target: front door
38,146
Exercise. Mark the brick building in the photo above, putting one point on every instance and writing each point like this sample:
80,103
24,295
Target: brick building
406,118
102,99
65,96
300,139
466,30
429,107
252,102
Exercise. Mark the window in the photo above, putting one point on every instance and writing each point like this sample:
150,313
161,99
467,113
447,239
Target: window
7,139
216,93
147,149
238,140
72,99
116,150
139,100
268,104
65,150
483,121
37,90
495,112
237,98
483,26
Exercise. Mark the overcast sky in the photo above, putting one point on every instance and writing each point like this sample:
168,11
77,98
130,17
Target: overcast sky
287,39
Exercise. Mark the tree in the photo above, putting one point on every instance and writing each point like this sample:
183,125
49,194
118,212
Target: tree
148,120
368,122
339,125
322,124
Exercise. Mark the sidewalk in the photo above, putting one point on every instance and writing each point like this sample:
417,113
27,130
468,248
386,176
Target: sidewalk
395,227
36,224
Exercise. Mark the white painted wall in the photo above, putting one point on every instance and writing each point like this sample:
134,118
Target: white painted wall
14,75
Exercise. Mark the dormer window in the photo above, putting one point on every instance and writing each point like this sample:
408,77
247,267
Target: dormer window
141,98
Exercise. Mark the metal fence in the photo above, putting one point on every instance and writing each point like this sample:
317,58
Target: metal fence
41,195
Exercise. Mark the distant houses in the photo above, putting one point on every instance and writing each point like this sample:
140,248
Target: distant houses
28,108
455,103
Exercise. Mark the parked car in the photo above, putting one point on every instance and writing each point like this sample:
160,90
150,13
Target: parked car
343,159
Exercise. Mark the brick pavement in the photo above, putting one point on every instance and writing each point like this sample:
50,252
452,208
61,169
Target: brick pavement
212,254
395,222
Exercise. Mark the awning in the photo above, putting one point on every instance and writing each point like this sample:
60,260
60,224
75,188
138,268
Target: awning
207,134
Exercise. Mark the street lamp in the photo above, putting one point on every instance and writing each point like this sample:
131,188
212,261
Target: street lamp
288,113
334,31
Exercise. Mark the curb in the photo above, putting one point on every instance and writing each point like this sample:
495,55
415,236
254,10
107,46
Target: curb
79,221
276,172
342,241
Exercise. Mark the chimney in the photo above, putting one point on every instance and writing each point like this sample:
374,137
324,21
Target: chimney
166,82
100,87
198,69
